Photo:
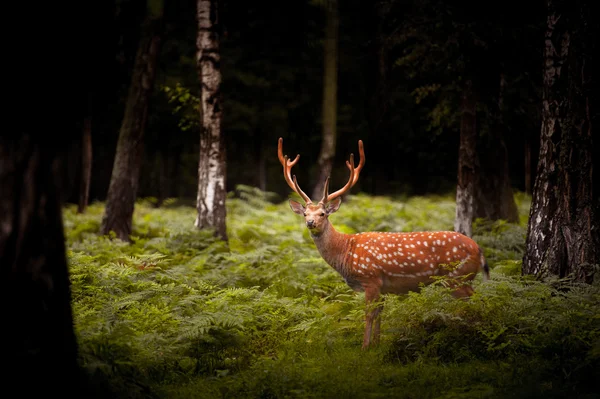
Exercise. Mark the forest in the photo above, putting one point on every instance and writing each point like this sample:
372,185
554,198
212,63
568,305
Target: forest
301,199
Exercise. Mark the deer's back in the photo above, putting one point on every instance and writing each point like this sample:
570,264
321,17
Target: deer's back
399,262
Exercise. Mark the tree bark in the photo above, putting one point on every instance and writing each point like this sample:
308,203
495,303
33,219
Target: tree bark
39,344
124,181
467,162
329,107
212,171
86,163
494,197
563,237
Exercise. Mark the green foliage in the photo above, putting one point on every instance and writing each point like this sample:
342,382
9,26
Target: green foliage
185,106
179,314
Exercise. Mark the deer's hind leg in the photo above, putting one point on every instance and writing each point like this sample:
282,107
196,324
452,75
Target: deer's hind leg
372,295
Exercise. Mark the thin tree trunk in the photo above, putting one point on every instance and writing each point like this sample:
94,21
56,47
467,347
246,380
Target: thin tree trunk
124,181
563,235
212,165
39,345
494,197
327,154
467,163
86,164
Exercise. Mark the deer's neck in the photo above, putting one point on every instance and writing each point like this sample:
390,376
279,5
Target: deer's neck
333,247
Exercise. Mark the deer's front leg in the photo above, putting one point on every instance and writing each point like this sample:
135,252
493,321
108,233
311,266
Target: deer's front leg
372,313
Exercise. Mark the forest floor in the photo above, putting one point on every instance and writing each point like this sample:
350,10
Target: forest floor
179,314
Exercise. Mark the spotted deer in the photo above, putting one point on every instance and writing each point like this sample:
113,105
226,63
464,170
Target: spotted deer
384,262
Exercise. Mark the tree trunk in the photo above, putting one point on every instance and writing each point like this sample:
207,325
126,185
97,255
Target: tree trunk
494,198
327,154
212,165
86,163
39,345
563,237
124,181
467,162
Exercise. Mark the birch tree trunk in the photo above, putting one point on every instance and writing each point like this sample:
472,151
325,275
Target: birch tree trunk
124,181
563,235
494,197
467,163
330,48
212,171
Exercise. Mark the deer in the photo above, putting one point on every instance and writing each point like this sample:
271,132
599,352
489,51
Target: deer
379,263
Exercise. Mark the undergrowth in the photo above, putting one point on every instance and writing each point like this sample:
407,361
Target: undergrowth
179,314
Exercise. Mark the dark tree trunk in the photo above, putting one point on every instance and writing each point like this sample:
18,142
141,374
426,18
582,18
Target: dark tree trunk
329,107
39,345
37,339
86,163
212,165
124,181
467,162
494,197
563,235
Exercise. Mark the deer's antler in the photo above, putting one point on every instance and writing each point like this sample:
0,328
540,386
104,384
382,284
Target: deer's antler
354,174
287,171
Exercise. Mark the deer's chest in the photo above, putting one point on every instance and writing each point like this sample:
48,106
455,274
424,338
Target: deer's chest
353,283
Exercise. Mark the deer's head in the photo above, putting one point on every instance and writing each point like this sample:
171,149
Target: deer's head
316,215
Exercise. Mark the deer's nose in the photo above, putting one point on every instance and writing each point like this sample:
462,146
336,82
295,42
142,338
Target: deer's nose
310,223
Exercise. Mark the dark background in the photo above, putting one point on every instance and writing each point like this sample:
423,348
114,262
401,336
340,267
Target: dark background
272,66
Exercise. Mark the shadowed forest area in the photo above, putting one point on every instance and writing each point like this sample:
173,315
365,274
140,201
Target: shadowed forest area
301,199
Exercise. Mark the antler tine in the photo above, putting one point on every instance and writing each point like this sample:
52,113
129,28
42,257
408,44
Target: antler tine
301,193
325,192
341,191
354,174
361,163
282,157
287,171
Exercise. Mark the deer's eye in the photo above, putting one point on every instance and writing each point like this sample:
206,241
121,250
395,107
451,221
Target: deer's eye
322,213
304,213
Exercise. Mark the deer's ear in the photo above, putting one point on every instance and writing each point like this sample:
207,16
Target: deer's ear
333,206
297,207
